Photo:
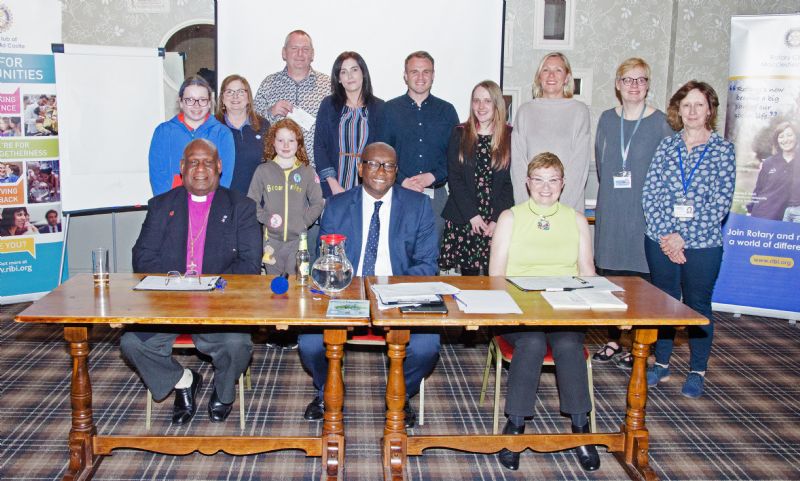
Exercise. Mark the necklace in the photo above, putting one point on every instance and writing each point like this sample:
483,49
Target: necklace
542,223
194,238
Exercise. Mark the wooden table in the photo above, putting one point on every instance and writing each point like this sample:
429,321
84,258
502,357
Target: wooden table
648,308
246,301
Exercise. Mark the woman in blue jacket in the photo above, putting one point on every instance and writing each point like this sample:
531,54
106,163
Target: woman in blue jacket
193,122
347,121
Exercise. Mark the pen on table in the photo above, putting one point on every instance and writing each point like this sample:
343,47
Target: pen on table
317,291
458,300
582,281
220,284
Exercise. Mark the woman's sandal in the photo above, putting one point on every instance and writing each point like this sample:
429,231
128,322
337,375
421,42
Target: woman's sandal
606,353
624,360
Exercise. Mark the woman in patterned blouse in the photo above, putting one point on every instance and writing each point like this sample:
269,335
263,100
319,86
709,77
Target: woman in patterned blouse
478,158
687,193
347,121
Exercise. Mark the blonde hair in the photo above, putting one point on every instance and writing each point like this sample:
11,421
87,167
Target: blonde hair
501,133
569,85
626,66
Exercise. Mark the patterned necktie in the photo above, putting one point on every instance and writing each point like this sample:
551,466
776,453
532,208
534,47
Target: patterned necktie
371,250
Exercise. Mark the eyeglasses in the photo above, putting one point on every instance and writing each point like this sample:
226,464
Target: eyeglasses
628,81
190,101
552,181
190,276
374,165
234,93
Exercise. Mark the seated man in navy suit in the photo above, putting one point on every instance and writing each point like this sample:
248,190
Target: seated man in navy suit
390,230
197,228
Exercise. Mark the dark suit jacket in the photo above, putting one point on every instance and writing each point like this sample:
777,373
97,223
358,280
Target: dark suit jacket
413,242
326,135
462,205
45,228
233,235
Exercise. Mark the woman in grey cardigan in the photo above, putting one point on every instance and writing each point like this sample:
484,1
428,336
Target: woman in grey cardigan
627,138
553,122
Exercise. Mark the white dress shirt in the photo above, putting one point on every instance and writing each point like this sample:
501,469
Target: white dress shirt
383,262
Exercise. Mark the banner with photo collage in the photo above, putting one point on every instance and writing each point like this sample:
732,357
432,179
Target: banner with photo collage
761,262
31,239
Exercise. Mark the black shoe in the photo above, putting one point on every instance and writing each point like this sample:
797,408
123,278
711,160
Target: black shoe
218,411
587,455
507,458
624,360
186,401
315,410
411,415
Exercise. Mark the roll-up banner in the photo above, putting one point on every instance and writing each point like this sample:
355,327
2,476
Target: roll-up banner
31,239
760,271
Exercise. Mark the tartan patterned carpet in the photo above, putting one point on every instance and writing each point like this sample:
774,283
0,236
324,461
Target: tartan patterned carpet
745,427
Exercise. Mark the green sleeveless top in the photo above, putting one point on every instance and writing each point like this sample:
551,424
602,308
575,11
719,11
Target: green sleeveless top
538,252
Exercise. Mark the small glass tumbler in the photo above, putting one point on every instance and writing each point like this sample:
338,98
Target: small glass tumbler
100,266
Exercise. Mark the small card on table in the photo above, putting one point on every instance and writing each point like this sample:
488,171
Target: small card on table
347,308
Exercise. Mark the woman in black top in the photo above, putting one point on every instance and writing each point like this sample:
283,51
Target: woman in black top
478,160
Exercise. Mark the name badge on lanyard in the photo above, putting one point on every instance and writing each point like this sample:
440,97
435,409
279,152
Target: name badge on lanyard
622,179
683,209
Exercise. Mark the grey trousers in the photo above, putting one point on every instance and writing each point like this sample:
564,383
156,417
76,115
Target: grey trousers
150,353
530,347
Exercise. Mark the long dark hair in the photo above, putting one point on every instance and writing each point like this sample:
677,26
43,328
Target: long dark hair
339,95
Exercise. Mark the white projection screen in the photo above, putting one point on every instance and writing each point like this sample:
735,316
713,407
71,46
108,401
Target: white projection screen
464,37
110,99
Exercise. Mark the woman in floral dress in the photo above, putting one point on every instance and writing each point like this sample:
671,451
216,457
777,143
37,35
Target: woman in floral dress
478,160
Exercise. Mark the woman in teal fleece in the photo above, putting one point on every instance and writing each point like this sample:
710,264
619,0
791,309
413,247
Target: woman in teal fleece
193,122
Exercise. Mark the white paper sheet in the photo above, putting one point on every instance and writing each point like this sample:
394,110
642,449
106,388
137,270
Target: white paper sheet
303,118
487,302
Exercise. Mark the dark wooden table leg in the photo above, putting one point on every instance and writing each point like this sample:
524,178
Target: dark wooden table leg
395,440
333,424
634,458
82,460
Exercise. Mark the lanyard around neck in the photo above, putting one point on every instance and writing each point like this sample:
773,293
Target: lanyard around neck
623,147
684,180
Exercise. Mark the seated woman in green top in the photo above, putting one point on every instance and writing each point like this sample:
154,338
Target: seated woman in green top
542,237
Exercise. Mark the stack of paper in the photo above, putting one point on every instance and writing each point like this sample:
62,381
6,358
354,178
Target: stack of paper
583,299
411,293
487,302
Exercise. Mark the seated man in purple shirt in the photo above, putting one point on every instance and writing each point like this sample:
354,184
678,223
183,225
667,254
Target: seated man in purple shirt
197,228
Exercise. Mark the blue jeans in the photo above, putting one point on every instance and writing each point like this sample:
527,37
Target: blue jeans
422,353
694,282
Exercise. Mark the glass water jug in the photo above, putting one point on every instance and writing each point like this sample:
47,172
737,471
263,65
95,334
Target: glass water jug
332,271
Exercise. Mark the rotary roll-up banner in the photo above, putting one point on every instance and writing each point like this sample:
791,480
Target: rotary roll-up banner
760,271
31,239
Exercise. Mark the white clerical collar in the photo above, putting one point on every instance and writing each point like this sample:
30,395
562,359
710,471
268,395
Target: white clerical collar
199,198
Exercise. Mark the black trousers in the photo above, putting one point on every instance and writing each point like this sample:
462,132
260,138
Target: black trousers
530,347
